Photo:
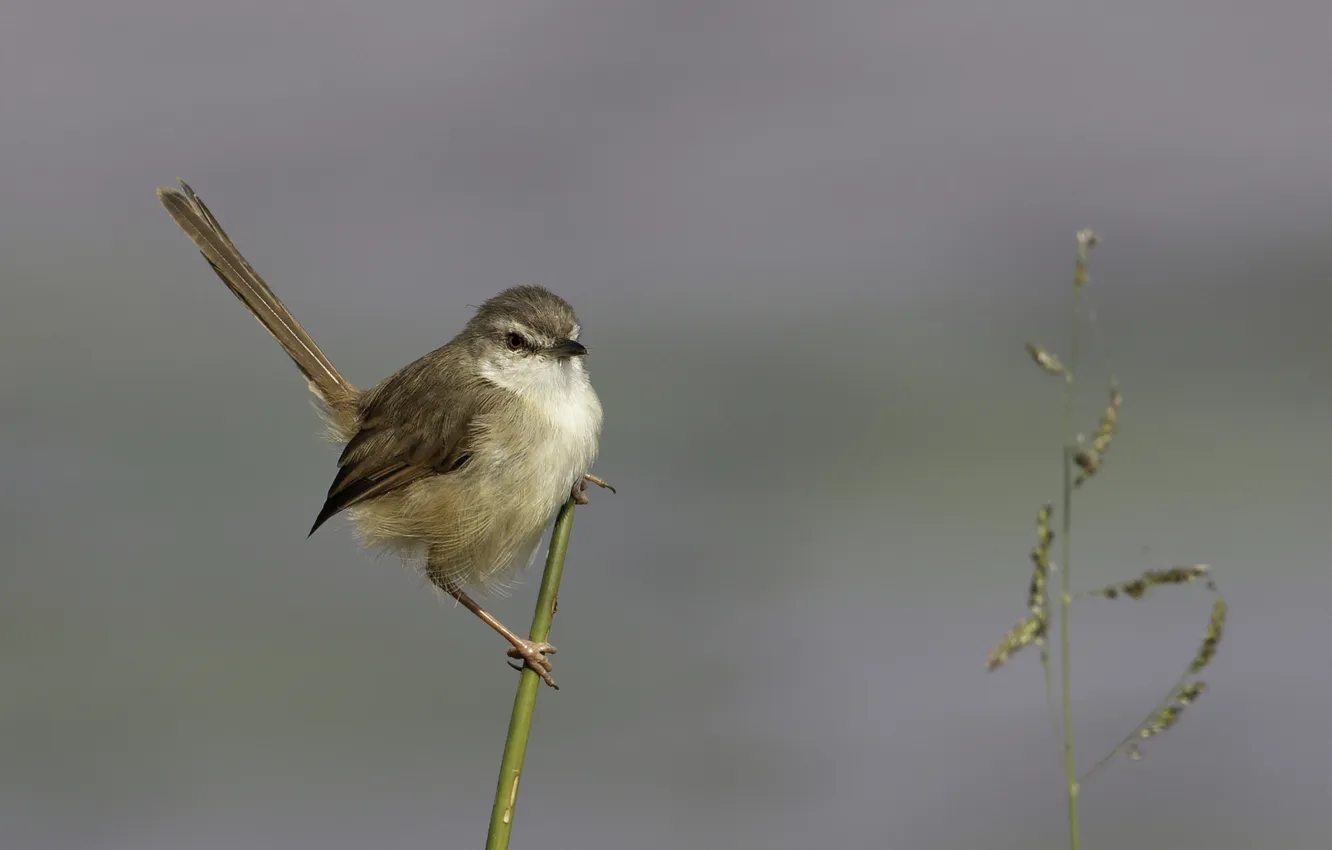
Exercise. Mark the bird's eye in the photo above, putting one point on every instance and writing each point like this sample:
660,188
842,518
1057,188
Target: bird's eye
515,342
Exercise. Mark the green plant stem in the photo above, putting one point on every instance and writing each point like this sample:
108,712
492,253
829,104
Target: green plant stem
1065,665
524,702
1065,581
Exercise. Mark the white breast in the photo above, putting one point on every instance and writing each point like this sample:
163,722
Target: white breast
549,442
556,430
573,430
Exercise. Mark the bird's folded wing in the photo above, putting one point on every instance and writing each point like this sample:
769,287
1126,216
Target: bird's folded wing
417,423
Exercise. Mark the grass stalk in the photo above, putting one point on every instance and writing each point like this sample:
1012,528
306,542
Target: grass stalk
1083,459
1085,242
524,702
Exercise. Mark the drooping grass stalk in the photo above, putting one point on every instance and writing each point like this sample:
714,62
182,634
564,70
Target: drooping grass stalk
1085,242
1187,688
524,702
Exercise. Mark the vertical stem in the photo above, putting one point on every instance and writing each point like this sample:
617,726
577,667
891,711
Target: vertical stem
1085,241
1065,665
524,702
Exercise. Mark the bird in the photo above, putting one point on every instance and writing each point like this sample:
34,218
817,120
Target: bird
458,461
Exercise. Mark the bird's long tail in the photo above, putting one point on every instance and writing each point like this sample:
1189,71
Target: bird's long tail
335,391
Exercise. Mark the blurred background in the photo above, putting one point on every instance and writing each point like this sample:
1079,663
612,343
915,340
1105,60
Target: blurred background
807,242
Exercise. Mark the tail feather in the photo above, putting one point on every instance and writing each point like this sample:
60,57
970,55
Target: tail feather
221,253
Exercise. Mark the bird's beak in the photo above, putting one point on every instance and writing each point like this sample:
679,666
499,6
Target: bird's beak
567,348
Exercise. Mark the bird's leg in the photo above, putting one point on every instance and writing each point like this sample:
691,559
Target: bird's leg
579,493
532,653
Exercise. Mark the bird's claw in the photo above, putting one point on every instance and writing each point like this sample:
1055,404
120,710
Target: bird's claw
533,654
579,492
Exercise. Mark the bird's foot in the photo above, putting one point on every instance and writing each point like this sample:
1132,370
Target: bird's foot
579,493
533,654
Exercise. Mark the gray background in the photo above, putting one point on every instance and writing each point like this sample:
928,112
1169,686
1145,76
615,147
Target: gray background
807,241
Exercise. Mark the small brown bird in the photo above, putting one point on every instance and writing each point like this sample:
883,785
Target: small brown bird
460,460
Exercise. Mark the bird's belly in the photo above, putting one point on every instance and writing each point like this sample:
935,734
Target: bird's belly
527,487
480,524
540,479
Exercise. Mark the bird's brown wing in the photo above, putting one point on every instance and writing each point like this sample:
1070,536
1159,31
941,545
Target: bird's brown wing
417,423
